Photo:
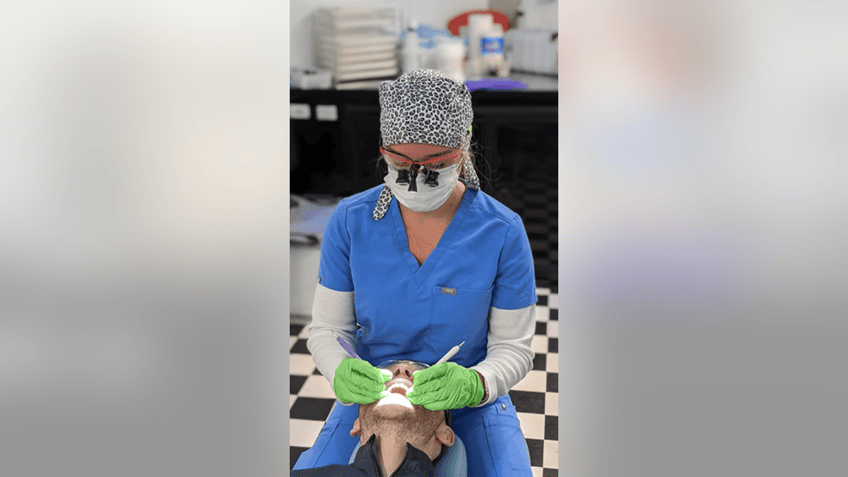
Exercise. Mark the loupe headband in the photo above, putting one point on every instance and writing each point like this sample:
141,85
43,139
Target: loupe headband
444,157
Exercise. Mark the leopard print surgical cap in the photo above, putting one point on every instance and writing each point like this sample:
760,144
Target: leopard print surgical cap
424,107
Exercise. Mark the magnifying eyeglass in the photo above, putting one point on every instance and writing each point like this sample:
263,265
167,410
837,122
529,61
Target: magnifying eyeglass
432,179
390,363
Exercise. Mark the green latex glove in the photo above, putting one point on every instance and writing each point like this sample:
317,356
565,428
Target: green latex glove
445,386
357,381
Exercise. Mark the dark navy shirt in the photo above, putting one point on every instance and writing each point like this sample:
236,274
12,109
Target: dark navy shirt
367,463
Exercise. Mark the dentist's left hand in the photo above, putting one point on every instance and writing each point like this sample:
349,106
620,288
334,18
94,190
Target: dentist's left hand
446,386
356,381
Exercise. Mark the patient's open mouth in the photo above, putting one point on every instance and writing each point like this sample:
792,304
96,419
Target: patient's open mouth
399,386
397,393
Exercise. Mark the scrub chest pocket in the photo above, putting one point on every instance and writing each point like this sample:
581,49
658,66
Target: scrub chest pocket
461,314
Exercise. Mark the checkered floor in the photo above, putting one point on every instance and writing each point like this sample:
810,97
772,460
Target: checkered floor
535,397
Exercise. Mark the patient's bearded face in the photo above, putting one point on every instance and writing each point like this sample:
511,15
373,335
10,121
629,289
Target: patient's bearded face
395,413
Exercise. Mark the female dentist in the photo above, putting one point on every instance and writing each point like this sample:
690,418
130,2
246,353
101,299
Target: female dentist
413,277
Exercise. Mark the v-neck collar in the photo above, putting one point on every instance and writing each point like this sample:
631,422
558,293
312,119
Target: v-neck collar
420,272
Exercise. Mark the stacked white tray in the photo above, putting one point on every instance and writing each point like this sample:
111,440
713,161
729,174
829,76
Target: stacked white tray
359,46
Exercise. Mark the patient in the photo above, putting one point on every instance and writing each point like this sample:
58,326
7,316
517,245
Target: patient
396,438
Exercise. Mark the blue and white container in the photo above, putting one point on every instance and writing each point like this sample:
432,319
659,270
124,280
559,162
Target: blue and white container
479,24
492,49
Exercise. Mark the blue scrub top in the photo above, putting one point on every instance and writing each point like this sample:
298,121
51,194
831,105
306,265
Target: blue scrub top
407,311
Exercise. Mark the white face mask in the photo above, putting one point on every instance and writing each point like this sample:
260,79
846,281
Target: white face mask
428,197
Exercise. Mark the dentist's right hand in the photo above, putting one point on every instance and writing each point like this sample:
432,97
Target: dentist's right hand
356,381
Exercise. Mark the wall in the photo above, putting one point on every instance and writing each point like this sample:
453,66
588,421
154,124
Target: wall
539,14
507,7
434,12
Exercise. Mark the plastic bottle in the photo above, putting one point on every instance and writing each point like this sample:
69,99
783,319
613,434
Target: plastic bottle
411,48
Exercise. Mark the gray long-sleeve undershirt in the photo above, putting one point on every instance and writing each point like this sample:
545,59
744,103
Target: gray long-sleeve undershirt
509,356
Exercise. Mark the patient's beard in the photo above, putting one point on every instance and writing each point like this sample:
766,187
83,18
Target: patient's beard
397,424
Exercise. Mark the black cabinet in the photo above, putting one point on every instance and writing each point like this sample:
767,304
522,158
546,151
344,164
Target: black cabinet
338,157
